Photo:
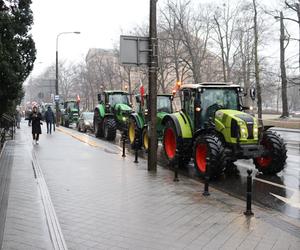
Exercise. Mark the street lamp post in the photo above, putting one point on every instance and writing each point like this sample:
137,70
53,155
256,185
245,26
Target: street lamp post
56,72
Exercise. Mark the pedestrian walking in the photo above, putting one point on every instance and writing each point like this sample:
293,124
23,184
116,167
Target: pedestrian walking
36,123
18,118
50,119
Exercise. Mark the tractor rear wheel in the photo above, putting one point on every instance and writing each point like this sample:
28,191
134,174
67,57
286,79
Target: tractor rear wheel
272,162
209,155
110,128
175,150
134,133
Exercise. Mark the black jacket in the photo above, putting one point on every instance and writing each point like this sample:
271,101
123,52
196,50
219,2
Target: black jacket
49,116
36,123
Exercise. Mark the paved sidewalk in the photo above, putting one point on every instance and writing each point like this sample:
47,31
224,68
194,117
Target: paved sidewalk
103,201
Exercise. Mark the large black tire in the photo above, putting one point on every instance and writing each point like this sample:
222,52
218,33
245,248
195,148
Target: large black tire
134,134
109,128
209,155
274,161
66,123
145,139
176,150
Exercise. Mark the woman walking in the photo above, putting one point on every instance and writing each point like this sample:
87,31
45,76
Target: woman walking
35,119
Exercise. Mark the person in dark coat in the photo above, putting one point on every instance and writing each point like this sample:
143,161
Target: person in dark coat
35,119
49,118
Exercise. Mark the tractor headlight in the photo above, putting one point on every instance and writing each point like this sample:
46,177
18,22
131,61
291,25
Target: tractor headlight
240,123
244,133
124,119
255,131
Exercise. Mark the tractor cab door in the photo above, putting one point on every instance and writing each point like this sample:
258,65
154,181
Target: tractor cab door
189,106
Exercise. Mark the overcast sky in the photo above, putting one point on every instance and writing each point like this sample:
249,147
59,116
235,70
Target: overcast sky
99,21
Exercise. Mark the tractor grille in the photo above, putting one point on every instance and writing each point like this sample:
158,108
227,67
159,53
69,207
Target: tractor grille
250,130
234,128
250,123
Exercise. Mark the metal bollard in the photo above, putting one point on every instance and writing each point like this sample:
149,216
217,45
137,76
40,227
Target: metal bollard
206,184
249,193
176,166
124,141
206,181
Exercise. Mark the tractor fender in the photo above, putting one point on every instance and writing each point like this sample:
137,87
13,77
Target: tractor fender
139,121
101,110
181,123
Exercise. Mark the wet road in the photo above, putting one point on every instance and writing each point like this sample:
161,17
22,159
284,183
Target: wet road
280,192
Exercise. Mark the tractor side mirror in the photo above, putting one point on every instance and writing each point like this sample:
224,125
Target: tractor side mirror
252,93
138,99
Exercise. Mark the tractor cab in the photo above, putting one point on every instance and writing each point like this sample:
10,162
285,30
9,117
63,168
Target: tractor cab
201,101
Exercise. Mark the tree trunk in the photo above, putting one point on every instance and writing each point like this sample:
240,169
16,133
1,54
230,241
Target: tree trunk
257,79
285,110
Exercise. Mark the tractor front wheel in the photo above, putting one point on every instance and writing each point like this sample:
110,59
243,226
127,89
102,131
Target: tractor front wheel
110,129
273,161
134,133
209,155
175,150
98,127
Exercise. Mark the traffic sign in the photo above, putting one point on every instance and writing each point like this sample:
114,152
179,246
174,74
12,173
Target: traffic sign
56,98
134,50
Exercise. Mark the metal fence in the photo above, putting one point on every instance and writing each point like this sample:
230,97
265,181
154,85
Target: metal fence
7,128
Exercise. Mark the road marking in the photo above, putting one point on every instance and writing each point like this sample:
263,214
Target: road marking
275,184
86,139
293,201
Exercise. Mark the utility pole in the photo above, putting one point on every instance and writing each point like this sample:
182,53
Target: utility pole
153,63
285,110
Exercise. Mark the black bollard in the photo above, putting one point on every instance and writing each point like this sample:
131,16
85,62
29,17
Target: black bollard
176,166
206,180
249,193
206,183
176,179
124,141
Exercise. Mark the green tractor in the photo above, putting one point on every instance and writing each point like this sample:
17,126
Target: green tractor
212,129
111,114
138,121
69,113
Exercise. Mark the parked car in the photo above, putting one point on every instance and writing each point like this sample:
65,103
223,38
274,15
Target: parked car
85,121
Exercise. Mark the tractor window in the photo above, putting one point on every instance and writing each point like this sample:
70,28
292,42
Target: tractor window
214,99
164,104
188,105
71,105
118,98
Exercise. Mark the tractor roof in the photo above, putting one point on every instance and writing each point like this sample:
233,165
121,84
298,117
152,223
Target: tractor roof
116,92
210,85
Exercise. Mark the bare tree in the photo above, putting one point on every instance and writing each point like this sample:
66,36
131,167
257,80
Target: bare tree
285,109
226,22
256,61
294,6
195,28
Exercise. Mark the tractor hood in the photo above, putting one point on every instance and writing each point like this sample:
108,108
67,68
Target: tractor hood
74,110
237,126
123,107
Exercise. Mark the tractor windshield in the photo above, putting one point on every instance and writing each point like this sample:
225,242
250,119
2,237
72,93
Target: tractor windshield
72,105
214,99
164,104
118,98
